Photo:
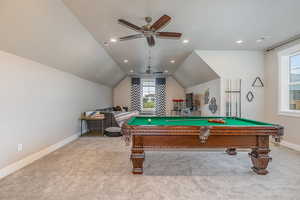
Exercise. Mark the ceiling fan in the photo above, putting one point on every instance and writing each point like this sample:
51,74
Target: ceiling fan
149,73
148,31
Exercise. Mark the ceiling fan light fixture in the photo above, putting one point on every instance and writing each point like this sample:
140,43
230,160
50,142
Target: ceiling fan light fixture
125,61
239,41
172,61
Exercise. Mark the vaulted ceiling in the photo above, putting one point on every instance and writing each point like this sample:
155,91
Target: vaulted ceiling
47,32
208,24
69,34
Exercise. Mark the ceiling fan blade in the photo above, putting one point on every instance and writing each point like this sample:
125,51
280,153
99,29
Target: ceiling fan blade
130,25
161,22
171,35
151,41
131,37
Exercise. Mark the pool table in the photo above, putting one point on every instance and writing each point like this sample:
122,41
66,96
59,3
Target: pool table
182,133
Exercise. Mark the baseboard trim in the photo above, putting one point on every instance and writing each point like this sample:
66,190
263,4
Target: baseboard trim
33,157
295,147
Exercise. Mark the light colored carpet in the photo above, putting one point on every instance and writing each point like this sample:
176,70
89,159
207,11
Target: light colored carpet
99,168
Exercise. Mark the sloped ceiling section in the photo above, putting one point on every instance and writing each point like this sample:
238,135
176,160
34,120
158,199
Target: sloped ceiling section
47,32
208,24
194,71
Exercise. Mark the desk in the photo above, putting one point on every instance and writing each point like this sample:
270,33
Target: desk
158,133
98,119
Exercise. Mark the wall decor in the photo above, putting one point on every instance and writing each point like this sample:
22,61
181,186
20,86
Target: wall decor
250,96
257,82
206,96
213,107
233,97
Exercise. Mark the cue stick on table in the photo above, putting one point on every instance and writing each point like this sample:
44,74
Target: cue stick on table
209,120
179,120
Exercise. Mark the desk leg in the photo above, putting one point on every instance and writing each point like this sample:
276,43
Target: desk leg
81,127
137,158
102,128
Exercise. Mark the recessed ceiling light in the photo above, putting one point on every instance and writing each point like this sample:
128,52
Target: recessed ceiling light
125,61
113,40
166,71
172,61
239,41
185,41
131,71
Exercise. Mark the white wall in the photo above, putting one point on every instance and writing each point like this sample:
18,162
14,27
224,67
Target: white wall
246,65
121,93
214,87
173,91
291,124
194,71
40,105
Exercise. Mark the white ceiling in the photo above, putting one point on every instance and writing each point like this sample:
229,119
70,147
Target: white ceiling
47,32
208,24
194,70
68,34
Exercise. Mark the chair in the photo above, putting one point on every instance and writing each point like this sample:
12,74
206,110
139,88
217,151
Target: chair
119,118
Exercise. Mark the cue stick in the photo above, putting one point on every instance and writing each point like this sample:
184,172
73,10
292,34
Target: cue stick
236,97
179,120
230,94
240,105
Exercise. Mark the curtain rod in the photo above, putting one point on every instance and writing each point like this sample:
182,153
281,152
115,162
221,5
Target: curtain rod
292,39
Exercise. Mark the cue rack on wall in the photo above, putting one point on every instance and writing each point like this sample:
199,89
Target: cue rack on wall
233,97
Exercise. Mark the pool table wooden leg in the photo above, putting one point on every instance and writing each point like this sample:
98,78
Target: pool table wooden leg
231,151
260,159
137,158
260,155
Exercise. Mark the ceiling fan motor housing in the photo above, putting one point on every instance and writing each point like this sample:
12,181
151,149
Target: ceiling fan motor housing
148,19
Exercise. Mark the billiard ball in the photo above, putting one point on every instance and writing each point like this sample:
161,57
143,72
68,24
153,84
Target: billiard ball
149,120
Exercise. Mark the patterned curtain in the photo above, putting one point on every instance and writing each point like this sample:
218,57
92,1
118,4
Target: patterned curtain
160,96
135,94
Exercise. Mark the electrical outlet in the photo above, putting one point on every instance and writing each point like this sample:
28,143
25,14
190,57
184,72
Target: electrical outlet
20,147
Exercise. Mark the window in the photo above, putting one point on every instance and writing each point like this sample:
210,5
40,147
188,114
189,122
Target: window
148,95
294,82
289,81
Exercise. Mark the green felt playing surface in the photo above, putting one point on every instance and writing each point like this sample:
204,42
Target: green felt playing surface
192,121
